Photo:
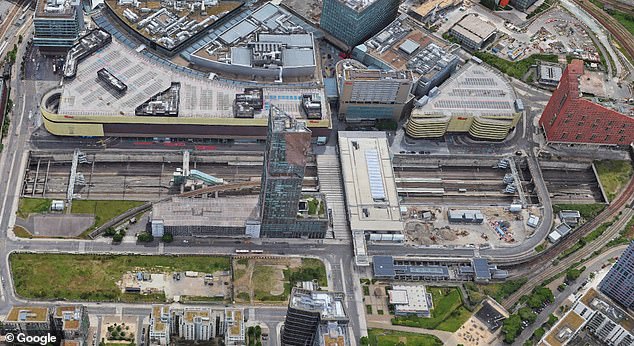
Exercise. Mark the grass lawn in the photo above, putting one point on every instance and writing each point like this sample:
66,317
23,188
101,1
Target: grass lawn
33,206
93,277
103,210
20,232
613,175
497,291
263,280
382,337
587,211
516,69
448,313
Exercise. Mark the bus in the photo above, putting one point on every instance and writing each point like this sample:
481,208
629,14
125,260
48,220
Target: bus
257,251
242,251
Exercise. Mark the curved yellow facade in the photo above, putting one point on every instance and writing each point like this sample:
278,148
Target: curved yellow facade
480,127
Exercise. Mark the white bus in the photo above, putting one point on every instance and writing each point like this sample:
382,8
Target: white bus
242,251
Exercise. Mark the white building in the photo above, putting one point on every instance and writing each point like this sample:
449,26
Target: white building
197,324
160,325
234,327
410,300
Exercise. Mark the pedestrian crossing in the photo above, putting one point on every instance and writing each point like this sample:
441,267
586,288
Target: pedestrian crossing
330,184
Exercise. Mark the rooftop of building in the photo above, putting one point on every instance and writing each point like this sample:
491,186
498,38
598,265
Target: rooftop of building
561,333
358,5
409,298
333,334
28,314
370,186
474,28
70,343
222,211
236,321
190,315
268,37
599,302
427,7
330,305
473,90
374,75
71,315
551,72
157,312
146,78
170,23
56,9
406,45
592,85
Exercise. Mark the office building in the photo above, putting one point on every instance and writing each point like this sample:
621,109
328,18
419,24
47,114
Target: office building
522,5
312,316
57,24
406,45
473,32
30,320
178,102
573,114
70,322
618,284
476,101
160,321
353,21
285,156
234,327
410,300
370,95
267,44
592,320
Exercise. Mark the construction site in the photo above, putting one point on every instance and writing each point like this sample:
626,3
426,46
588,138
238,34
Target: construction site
139,176
572,182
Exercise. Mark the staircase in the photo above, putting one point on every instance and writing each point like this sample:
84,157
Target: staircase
330,184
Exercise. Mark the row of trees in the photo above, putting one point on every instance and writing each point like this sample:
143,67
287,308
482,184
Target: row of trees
513,326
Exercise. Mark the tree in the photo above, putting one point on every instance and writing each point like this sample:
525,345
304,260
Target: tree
20,38
258,331
167,238
527,314
110,231
364,341
117,238
511,327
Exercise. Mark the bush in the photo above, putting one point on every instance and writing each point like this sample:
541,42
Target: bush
110,231
117,237
167,238
145,237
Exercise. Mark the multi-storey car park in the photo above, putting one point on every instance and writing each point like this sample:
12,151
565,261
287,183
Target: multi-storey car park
406,45
476,100
161,102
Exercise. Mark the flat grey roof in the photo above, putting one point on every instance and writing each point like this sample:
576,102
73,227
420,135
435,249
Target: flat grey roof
474,28
383,265
481,268
145,77
225,211
473,89
242,29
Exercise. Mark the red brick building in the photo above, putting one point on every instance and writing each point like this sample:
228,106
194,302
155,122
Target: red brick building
570,118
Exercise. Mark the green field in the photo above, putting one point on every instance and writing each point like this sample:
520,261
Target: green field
28,206
20,232
587,211
265,277
104,210
516,69
382,337
93,277
448,313
613,175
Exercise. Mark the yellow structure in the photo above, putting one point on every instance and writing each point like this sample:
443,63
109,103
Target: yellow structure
475,100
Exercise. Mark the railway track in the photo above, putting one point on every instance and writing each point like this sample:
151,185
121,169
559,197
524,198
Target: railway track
539,267
618,31
568,261
619,6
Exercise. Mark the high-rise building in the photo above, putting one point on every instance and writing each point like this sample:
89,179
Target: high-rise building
353,21
370,95
618,284
315,318
197,324
160,320
571,117
234,327
57,24
285,155
71,322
